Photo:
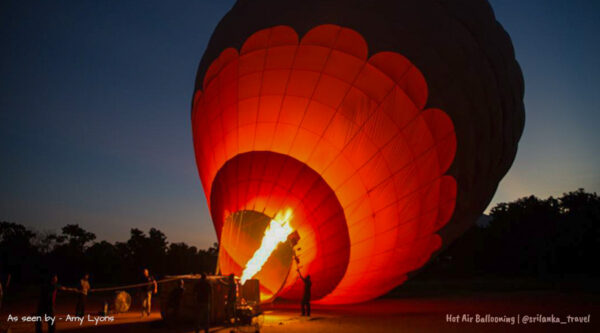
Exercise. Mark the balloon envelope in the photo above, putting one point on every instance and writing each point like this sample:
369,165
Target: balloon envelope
376,130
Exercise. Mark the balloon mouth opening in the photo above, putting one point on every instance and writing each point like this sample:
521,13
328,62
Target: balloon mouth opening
249,251
250,190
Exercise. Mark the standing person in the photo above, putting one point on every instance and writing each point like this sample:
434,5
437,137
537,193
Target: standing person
203,297
47,302
175,298
306,297
1,295
149,288
3,289
84,287
231,298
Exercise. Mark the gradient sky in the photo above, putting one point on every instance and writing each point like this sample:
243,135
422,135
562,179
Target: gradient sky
95,110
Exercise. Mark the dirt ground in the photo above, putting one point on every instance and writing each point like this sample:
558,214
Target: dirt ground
408,314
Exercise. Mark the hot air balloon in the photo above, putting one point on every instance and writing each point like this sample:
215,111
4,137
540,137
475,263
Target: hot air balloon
381,128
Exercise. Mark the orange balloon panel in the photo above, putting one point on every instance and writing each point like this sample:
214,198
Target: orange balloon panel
342,139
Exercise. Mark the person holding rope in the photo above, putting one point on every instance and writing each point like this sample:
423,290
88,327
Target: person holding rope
84,288
47,302
148,289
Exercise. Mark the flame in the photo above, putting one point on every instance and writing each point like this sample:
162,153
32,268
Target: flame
277,232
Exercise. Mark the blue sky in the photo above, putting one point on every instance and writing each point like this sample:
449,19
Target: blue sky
95,111
557,45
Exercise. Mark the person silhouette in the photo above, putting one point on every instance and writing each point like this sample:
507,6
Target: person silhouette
175,298
149,288
231,298
203,299
47,302
84,288
305,304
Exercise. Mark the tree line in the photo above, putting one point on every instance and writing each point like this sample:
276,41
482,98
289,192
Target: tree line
28,256
529,237
552,239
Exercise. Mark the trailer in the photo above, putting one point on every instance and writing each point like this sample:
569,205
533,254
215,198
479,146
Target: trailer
182,307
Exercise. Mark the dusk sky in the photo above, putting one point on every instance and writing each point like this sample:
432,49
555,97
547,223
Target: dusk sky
95,111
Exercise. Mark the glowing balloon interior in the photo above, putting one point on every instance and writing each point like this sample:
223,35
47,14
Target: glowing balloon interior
276,233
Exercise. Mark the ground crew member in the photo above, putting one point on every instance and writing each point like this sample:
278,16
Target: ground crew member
84,288
47,303
150,288
203,298
306,297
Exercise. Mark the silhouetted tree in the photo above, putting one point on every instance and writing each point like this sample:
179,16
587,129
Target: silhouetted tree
182,259
67,255
104,262
551,239
579,241
18,256
77,237
26,255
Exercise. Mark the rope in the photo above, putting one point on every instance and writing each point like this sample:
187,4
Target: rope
131,286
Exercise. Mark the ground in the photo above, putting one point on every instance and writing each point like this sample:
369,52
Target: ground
414,313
